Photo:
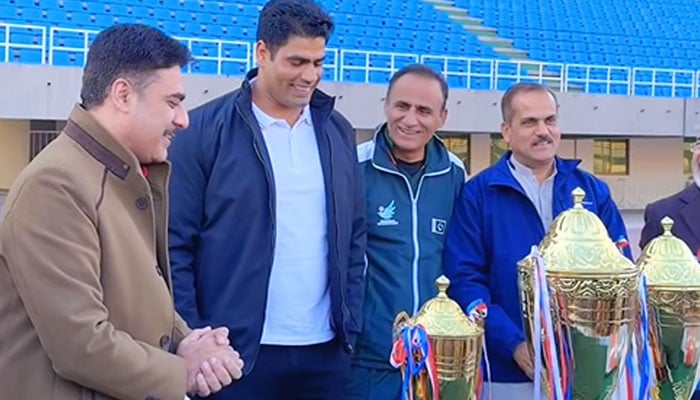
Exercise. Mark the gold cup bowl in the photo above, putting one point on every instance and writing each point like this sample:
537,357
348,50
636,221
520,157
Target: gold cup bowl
456,343
593,300
673,282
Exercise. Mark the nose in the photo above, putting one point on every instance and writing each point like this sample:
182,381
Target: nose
410,117
311,73
541,127
182,119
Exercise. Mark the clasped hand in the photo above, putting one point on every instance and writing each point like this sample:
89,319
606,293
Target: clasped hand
211,362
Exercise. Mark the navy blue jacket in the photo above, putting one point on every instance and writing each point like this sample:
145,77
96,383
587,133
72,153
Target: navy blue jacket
494,226
684,208
222,219
405,235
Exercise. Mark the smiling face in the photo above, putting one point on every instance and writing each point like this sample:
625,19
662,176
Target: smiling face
414,112
288,76
533,130
156,113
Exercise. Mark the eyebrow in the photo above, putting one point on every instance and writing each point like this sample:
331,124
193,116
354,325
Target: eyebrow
537,119
305,60
179,96
417,106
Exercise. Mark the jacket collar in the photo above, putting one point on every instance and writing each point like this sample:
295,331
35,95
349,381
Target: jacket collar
321,104
437,157
89,134
100,144
690,194
502,175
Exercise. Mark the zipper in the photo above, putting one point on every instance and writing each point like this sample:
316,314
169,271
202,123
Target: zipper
270,205
414,227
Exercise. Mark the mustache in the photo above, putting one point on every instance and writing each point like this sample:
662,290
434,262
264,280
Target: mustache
543,138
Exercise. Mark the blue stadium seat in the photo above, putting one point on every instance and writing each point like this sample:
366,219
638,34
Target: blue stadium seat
576,32
25,56
353,76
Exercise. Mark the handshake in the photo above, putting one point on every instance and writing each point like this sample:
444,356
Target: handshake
210,362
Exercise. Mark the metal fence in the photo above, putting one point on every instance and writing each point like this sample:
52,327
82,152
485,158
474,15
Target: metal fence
61,46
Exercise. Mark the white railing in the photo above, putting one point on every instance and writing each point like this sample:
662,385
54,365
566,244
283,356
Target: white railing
221,54
375,66
460,72
63,41
598,79
224,57
664,82
17,37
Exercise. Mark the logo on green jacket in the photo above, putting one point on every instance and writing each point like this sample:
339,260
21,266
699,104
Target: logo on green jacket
386,215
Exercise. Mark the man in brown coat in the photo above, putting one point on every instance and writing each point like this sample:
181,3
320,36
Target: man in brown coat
85,294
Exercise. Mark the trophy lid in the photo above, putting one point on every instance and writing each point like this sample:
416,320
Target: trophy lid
667,261
578,242
443,317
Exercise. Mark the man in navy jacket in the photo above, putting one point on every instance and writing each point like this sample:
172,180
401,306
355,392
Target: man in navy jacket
684,209
411,184
267,225
502,212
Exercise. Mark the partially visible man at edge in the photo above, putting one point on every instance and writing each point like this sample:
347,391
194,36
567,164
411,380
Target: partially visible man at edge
86,307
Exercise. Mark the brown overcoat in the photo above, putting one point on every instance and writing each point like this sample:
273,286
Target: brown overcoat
86,310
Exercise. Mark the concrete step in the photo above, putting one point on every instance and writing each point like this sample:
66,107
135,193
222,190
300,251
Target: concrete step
496,41
450,10
481,30
515,54
466,20
441,2
482,33
486,34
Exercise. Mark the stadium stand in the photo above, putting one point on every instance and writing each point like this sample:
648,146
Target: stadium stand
593,46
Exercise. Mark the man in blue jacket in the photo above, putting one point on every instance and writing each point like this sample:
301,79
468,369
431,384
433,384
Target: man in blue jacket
411,184
506,209
267,225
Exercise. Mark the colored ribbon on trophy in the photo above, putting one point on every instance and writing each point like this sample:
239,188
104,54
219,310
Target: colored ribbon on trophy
639,364
477,311
413,353
646,360
546,346
622,243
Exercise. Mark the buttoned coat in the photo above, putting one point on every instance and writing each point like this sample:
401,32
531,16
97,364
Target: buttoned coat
85,303
684,209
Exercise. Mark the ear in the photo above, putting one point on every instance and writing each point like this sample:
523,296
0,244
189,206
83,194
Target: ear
121,94
443,117
262,53
505,131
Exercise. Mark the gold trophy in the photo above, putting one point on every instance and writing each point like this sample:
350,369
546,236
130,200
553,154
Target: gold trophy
673,281
593,301
447,345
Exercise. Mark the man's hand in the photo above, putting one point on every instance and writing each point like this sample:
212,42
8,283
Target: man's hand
211,363
523,358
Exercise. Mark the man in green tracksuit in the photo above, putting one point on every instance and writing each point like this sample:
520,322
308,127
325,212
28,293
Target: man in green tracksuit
411,181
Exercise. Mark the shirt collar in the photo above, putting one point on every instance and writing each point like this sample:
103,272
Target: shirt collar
521,169
266,120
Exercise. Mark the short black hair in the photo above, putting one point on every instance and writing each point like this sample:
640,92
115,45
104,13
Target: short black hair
131,51
424,71
509,95
282,19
